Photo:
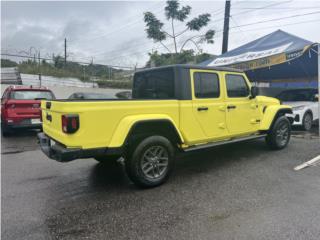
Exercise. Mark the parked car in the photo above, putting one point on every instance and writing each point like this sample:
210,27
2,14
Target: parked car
304,104
173,108
20,107
88,95
124,94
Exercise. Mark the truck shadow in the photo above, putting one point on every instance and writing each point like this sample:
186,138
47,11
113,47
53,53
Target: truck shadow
212,159
113,176
109,175
23,133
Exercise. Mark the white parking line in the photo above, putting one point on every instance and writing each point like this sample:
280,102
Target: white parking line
309,163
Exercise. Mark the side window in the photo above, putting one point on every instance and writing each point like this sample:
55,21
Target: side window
156,84
236,86
206,85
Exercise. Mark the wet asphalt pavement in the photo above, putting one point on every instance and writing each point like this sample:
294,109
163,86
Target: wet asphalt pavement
238,191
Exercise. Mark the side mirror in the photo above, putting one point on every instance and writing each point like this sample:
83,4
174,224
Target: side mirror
253,92
316,98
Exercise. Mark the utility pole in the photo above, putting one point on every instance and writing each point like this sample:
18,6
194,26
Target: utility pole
65,52
319,88
84,72
226,26
39,68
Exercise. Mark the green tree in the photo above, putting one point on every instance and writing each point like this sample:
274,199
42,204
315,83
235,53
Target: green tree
174,12
58,61
8,63
185,56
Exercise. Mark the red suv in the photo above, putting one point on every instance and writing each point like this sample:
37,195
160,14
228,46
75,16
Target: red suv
20,107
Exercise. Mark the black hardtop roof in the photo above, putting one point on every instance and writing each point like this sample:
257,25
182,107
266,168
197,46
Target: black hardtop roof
191,66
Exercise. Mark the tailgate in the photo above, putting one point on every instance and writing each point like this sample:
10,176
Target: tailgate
97,122
52,112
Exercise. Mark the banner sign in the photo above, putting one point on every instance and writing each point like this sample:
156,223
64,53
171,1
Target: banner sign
248,56
269,60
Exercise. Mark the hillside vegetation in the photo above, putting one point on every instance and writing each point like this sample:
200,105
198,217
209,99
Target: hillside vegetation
104,76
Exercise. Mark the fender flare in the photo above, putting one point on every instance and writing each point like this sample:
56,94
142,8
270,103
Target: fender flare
271,113
128,123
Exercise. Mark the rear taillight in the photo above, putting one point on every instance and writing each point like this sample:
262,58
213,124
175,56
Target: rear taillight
70,123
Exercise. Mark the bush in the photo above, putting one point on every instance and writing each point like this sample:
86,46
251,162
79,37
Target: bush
8,63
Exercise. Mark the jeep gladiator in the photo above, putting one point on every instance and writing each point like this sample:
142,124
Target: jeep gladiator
173,108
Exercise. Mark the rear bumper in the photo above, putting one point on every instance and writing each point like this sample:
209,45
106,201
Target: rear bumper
14,123
24,126
61,153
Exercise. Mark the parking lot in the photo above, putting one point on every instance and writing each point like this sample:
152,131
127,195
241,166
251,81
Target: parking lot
238,191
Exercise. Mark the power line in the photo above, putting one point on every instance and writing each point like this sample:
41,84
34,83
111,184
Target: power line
263,7
30,57
130,23
281,8
237,26
118,66
220,10
277,19
235,23
49,59
216,12
283,25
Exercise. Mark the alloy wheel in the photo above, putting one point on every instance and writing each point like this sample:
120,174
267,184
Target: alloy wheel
154,162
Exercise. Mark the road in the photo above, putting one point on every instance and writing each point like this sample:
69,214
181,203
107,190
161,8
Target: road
239,191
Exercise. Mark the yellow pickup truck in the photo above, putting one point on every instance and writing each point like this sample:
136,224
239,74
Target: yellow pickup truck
173,108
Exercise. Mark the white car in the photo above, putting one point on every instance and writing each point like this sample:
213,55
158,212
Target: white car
304,104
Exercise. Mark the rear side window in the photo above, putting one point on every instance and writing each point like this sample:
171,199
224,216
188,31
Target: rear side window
158,84
236,86
31,95
206,85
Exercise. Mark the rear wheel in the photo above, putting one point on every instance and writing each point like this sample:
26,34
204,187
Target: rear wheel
307,121
150,163
279,135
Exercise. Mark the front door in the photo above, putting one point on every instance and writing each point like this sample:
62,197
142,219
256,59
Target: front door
241,111
208,104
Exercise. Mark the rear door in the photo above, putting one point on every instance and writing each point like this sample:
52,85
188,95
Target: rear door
208,102
241,111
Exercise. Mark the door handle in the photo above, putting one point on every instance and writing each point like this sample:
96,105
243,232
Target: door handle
231,107
202,108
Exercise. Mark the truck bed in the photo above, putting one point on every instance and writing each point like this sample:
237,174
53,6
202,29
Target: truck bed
99,119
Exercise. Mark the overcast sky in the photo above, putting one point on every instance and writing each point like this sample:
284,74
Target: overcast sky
112,32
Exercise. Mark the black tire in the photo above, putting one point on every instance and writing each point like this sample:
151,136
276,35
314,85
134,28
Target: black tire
150,163
279,135
307,121
5,131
